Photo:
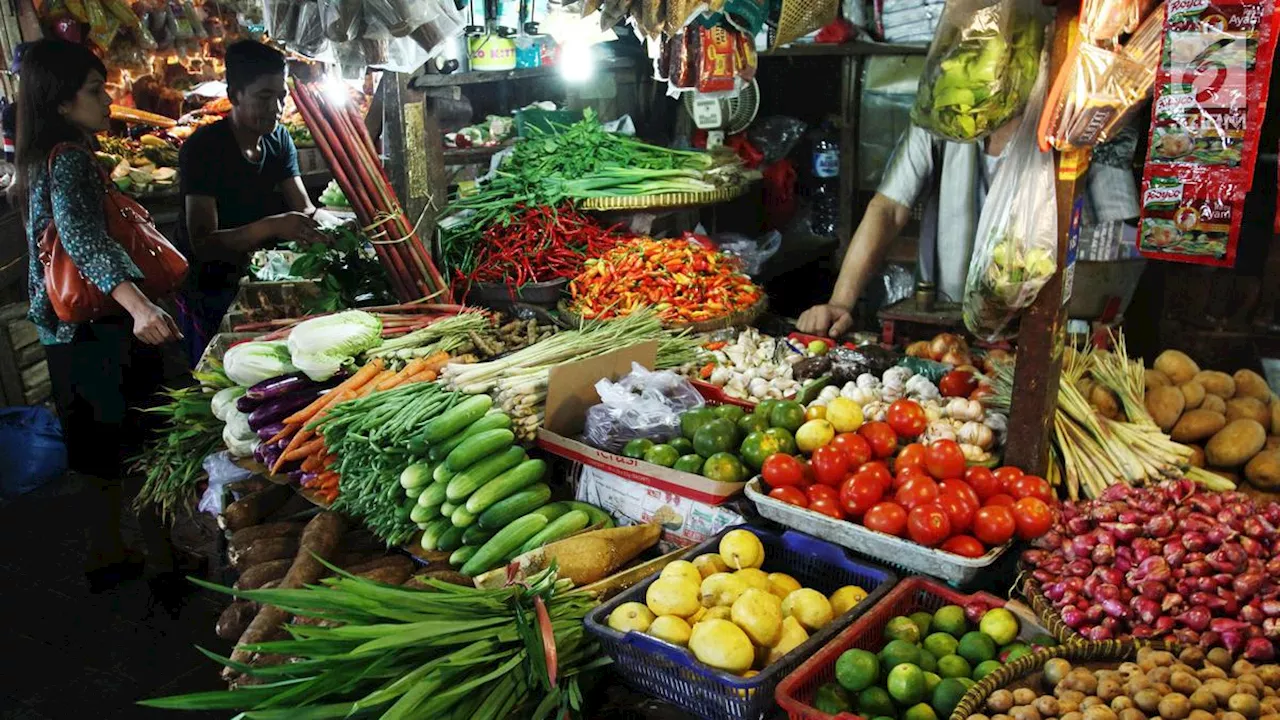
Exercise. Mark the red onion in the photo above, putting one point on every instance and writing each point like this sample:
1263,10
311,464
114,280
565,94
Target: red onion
1195,542
1252,614
1107,592
1210,639
1074,584
1247,585
1077,568
974,610
1152,591
1186,637
1095,613
1271,607
1251,547
1103,554
1272,513
1223,625
1233,641
1259,650
1198,568
1171,602
1273,566
1073,618
1164,624
1218,534
1044,577
1158,526
1098,634
1271,628
1230,603
1196,618
1034,557
1115,609
1175,554
1111,575
1148,610
1077,526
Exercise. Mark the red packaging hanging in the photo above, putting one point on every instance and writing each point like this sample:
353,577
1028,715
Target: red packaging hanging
717,65
1191,215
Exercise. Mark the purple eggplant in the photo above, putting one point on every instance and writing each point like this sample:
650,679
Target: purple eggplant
296,476
246,404
306,477
277,409
277,386
268,454
266,432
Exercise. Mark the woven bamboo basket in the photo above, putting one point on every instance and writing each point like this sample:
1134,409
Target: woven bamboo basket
1049,616
664,201
737,318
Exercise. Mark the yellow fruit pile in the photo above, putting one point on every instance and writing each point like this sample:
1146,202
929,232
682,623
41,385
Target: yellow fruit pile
731,614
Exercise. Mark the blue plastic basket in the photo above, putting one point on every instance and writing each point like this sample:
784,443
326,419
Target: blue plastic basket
673,674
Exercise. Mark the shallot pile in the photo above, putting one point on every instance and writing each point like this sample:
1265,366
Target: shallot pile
1166,562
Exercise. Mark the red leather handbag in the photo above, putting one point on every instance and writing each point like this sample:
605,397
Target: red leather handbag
76,299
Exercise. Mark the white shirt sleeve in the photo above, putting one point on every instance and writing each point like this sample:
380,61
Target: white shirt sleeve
910,167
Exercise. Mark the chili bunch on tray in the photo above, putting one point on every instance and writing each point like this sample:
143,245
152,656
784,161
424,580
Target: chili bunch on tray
684,281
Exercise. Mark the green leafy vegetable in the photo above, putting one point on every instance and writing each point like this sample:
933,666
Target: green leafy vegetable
347,268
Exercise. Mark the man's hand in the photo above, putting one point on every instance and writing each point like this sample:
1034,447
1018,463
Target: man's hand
297,227
153,326
831,320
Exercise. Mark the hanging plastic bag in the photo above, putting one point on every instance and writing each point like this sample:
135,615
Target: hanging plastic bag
1015,248
222,471
980,69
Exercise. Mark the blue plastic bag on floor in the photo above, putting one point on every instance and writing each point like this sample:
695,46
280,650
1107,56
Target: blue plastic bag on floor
32,448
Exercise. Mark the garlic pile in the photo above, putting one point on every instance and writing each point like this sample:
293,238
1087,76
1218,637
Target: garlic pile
756,367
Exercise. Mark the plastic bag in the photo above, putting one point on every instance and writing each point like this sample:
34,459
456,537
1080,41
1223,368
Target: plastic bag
980,69
1016,245
641,404
222,471
775,136
340,18
309,31
752,253
32,448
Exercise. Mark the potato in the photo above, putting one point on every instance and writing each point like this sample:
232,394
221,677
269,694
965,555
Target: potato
1273,442
1217,383
1263,470
1233,445
1176,365
1165,405
1155,378
1251,384
1197,456
1197,425
1192,393
1275,416
1214,403
1106,402
1250,408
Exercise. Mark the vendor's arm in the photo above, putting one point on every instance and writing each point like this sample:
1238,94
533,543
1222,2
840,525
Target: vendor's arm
295,195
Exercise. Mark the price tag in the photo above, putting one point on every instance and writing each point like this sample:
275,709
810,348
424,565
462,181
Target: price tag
706,113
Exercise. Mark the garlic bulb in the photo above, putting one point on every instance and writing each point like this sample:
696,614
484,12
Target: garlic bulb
829,393
868,381
720,376
875,411
919,388
932,410
963,409
975,433
938,430
973,453
896,376
758,387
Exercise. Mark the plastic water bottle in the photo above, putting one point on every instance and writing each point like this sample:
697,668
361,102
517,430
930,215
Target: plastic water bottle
824,211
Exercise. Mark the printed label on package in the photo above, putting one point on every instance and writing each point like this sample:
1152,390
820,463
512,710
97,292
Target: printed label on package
1190,216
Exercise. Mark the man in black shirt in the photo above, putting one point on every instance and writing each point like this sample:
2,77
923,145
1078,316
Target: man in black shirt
241,188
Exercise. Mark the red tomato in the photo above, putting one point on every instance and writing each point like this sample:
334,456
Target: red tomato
910,456
807,478
983,482
962,489
1032,486
830,465
910,473
882,439
828,506
944,460
817,492
858,493
964,546
1001,499
916,491
957,383
928,524
886,517
994,524
958,510
782,470
906,417
1032,517
855,446
790,496
880,472
1006,475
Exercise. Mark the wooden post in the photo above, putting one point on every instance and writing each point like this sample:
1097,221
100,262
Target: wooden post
1042,333
850,84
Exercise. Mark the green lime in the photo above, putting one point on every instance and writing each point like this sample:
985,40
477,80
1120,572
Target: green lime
732,413
683,445
920,711
954,666
875,701
748,424
1013,651
902,628
906,684
787,414
786,441
723,467
694,419
764,408
941,644
663,455
950,619
931,681
757,447
985,668
832,699
857,669
637,448
1041,640
968,682
715,436
1000,625
897,652
976,647
923,620
690,463
927,661
947,695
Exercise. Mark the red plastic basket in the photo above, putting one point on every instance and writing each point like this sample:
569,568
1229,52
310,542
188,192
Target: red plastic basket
914,594
715,396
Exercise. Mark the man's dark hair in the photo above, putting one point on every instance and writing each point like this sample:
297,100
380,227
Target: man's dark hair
248,60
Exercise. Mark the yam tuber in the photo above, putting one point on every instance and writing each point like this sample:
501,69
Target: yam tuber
1235,444
264,550
242,539
251,509
258,575
584,558
1176,365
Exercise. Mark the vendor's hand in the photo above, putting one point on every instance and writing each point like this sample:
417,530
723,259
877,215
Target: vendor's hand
831,320
297,227
153,326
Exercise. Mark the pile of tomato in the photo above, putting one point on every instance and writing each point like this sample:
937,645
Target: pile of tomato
921,492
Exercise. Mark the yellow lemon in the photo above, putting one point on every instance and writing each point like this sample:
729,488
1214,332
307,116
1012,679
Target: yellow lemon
631,616
671,629
721,589
782,584
719,612
810,607
684,570
813,435
759,614
754,578
709,564
672,596
741,549
815,412
722,645
789,638
844,414
696,618
845,598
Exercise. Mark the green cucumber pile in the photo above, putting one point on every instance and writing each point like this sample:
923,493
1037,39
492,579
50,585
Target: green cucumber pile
478,495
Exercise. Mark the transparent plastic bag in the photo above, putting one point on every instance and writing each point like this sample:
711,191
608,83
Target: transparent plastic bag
753,252
340,18
641,404
309,32
775,136
980,69
1015,248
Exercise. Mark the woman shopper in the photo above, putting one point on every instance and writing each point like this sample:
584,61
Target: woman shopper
103,370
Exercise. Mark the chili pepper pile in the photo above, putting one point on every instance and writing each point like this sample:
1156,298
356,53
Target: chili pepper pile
537,244
682,280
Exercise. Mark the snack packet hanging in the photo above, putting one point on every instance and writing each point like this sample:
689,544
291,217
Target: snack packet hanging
1189,214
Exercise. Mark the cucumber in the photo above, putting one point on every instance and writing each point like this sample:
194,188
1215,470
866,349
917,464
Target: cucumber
493,421
462,555
462,485
505,484
480,445
431,534
504,511
461,518
476,535
551,511
432,495
416,475
414,492
565,525
447,508
515,534
596,514
421,514
451,539
442,474
456,418
406,509
417,448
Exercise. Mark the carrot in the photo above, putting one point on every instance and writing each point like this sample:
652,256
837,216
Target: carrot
313,463
362,376
424,376
307,449
436,361
408,370
329,459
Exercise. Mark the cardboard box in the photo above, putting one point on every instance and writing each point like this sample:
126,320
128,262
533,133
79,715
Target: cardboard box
684,522
571,390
